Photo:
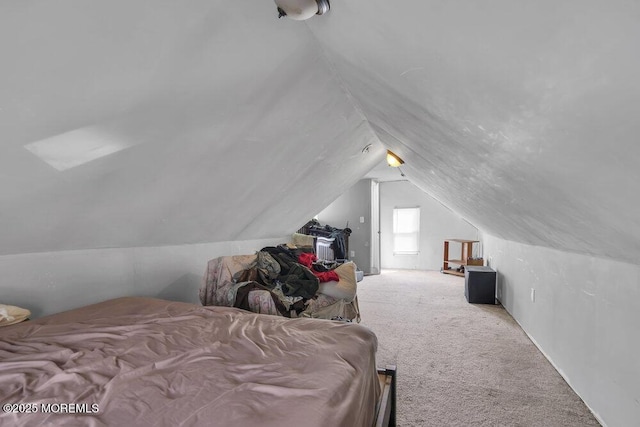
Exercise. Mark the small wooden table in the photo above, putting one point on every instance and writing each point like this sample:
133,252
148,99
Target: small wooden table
466,249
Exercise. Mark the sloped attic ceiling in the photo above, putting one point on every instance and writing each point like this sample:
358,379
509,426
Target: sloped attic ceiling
216,121
211,121
520,116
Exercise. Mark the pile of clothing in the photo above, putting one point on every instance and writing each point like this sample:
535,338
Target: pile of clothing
285,280
291,275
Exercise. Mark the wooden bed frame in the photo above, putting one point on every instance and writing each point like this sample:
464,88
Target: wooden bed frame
386,412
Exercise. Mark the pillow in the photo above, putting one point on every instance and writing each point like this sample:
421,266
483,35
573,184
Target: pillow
344,289
302,240
10,314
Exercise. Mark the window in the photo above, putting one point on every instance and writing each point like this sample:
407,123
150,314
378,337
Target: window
406,231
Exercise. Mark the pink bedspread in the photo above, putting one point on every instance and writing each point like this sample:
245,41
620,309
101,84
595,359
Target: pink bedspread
149,362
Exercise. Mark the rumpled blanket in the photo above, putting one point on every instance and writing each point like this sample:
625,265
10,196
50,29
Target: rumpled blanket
218,278
264,270
155,363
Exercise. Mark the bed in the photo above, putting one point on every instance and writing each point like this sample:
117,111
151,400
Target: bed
150,362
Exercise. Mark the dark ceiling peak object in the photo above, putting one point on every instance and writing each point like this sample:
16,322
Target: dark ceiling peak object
300,10
323,6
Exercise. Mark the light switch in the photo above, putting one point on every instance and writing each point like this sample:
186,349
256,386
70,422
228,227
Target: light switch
361,220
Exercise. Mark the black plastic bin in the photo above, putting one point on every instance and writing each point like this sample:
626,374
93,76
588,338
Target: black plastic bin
480,285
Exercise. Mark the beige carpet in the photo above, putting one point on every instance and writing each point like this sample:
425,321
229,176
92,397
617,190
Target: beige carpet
461,364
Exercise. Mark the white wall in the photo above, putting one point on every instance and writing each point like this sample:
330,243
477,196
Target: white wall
437,223
348,208
585,318
47,283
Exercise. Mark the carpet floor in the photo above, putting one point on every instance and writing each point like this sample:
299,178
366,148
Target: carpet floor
461,364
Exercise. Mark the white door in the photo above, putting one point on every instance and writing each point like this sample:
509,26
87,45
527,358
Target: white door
375,227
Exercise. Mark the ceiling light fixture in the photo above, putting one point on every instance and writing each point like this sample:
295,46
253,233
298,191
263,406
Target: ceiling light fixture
393,159
300,10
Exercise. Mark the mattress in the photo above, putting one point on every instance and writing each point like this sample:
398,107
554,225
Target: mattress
149,362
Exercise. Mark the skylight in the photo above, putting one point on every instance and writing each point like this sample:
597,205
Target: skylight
77,147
